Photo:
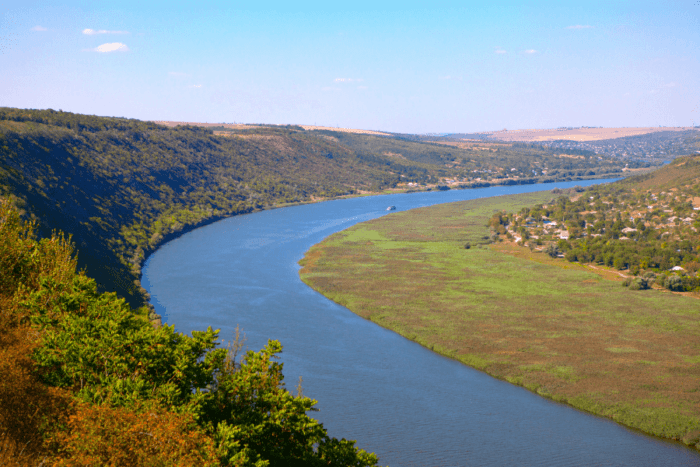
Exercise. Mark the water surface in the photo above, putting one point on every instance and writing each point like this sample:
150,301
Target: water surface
407,404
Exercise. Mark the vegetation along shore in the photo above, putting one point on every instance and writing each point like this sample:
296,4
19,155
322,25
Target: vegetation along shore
121,187
487,283
86,372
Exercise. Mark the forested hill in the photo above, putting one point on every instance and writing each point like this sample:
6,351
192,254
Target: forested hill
121,187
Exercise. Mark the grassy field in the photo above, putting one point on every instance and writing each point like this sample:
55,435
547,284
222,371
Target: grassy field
560,329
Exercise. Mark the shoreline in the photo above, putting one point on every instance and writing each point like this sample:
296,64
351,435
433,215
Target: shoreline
333,284
147,252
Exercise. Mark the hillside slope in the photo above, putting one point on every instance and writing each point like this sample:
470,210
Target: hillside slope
644,228
122,187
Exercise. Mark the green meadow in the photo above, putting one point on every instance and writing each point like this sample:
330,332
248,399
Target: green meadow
560,329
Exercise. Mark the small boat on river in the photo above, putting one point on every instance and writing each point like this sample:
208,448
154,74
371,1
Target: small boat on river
391,208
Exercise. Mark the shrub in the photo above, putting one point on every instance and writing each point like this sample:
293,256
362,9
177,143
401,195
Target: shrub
674,283
639,283
650,275
552,250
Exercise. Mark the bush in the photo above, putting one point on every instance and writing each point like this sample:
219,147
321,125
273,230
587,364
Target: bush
674,283
552,250
660,280
650,275
639,283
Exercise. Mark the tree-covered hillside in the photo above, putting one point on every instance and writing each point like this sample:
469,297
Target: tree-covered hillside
646,225
121,187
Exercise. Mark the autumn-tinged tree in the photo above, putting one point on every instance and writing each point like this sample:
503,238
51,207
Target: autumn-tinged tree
88,381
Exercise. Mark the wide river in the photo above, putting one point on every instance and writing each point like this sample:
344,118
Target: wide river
407,404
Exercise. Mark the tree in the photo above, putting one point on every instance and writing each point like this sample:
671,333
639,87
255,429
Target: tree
110,388
552,250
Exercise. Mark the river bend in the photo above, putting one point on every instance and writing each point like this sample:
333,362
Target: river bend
407,404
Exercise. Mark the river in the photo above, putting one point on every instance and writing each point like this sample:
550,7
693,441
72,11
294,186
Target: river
407,404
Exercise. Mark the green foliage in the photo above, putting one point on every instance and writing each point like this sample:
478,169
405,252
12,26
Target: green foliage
115,365
555,328
552,250
121,187
645,224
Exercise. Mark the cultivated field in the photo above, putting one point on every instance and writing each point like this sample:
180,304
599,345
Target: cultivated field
344,130
577,134
245,126
233,126
557,328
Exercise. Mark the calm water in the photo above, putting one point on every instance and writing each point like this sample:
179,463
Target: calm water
396,398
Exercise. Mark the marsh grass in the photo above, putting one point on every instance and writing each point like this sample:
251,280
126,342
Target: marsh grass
559,329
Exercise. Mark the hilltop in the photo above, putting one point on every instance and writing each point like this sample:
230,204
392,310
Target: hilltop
580,134
121,187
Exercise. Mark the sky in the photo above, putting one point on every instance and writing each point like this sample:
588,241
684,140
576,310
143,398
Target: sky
409,67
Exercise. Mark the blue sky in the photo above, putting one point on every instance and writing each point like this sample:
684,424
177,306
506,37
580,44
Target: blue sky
417,67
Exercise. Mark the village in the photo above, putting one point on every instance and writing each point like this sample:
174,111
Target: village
635,232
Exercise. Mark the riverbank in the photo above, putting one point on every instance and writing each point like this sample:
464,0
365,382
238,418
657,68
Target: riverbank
558,330
182,229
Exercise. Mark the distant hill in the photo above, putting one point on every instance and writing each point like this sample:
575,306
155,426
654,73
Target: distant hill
579,134
652,147
122,187
680,173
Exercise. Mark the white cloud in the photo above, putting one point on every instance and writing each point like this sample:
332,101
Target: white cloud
362,88
580,26
348,80
39,28
194,86
500,50
110,47
92,32
530,51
